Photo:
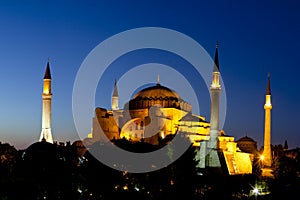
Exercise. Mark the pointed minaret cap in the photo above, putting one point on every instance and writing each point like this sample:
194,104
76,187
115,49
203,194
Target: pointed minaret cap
158,80
115,93
47,72
268,91
216,62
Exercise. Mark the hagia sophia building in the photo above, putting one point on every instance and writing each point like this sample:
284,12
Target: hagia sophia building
161,110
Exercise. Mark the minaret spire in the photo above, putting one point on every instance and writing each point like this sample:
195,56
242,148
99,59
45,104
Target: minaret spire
267,153
212,159
47,72
46,108
115,93
158,80
215,90
268,90
216,60
115,98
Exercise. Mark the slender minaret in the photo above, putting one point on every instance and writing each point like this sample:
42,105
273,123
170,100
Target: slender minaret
115,98
208,155
267,154
215,90
46,109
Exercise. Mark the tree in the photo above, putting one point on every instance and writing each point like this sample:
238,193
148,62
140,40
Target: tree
8,156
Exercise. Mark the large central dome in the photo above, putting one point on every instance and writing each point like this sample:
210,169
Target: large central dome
158,95
157,91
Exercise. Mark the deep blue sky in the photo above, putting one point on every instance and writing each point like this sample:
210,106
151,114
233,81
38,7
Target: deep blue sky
256,37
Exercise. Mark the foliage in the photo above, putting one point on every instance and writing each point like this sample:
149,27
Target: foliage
8,155
54,171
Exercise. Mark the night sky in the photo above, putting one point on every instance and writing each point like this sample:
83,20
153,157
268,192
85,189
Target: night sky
255,37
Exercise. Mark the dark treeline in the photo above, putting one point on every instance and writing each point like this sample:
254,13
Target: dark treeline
55,171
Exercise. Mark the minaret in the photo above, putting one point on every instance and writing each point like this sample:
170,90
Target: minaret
115,98
215,90
208,149
267,154
46,109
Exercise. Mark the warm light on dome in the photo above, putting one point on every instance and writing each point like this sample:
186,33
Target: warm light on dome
157,91
158,95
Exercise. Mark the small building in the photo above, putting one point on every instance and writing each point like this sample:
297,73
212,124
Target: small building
247,144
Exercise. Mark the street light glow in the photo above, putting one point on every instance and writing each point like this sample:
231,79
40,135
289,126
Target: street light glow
256,191
262,157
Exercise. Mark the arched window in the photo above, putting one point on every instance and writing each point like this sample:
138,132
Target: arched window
142,125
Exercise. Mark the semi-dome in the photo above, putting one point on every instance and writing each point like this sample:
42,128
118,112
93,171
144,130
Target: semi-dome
247,144
158,95
246,139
